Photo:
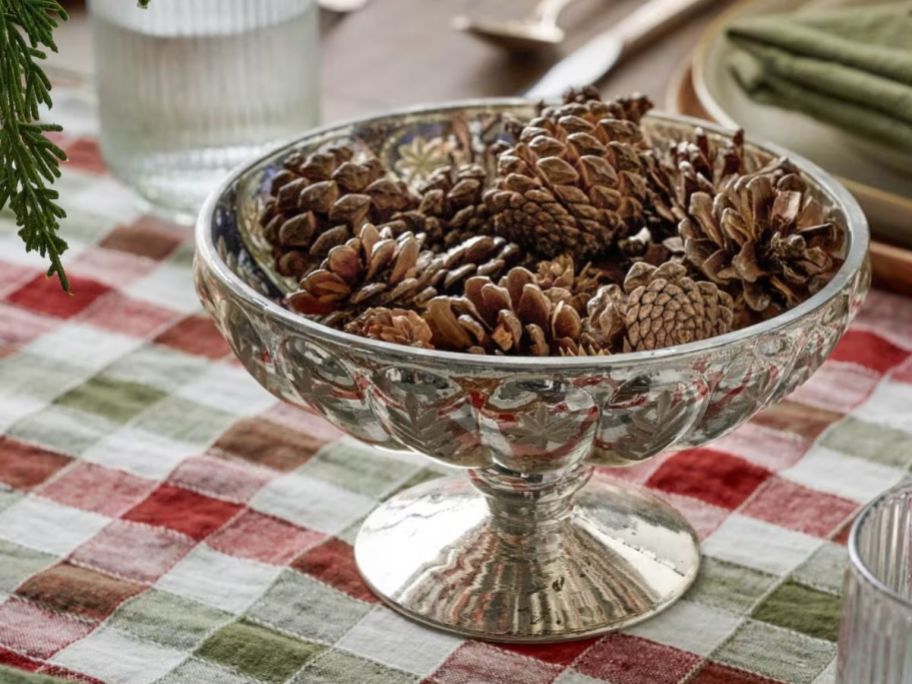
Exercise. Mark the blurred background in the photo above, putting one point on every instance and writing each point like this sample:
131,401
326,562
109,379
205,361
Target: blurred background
391,53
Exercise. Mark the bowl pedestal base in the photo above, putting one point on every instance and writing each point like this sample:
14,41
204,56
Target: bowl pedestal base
535,558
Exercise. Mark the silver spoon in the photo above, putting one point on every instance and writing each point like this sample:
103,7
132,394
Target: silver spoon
536,32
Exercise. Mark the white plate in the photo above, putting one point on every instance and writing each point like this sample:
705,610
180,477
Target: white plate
884,192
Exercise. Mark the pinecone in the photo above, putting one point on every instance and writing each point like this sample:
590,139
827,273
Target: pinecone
451,208
677,170
377,269
513,317
561,272
321,200
400,326
765,238
484,255
587,103
642,247
372,269
570,185
657,307
604,322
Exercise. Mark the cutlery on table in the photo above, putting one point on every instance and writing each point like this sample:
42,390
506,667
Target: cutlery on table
588,64
538,31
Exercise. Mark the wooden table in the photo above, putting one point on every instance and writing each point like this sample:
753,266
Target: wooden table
400,52
403,52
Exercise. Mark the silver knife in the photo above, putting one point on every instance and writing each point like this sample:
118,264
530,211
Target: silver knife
589,63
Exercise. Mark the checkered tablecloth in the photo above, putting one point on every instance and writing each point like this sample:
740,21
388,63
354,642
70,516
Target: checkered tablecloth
163,519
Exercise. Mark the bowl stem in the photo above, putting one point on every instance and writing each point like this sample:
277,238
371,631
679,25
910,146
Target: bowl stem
527,557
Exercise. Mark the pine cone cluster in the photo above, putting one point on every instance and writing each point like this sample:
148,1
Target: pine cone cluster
587,237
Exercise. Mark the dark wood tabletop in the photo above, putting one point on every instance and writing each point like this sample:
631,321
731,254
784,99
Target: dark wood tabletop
403,52
394,53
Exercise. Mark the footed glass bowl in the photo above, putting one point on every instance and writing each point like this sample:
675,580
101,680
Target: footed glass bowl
534,545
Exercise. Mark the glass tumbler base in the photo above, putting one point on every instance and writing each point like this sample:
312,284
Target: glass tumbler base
437,555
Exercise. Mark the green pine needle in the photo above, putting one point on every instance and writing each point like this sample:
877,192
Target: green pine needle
29,161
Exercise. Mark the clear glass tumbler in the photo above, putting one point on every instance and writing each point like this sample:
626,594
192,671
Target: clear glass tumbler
190,88
875,634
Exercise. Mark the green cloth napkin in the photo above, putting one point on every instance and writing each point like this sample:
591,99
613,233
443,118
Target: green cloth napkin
849,66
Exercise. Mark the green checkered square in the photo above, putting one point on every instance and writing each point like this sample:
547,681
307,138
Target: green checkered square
358,467
117,400
38,376
63,429
825,569
194,671
423,475
185,421
10,675
877,443
157,366
19,563
169,620
728,586
334,667
776,652
258,651
301,605
802,609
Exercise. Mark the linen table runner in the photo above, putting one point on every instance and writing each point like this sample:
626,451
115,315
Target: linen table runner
164,519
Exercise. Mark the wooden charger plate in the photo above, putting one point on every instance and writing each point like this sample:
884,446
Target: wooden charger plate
892,264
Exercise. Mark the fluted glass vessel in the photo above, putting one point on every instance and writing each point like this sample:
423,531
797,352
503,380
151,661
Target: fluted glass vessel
875,634
188,89
537,543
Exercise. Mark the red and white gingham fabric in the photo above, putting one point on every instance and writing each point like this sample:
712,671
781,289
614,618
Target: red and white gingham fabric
163,519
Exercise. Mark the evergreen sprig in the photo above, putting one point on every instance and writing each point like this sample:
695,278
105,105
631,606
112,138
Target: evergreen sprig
29,161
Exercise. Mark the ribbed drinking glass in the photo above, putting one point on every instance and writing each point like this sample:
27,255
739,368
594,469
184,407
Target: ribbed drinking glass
875,635
190,88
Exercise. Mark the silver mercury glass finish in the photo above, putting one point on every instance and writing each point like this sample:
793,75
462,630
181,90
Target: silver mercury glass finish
536,544
875,633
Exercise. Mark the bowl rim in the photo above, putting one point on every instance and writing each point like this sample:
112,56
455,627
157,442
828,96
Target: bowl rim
858,234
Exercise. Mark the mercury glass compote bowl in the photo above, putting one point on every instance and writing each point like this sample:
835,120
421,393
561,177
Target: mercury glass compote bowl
537,543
